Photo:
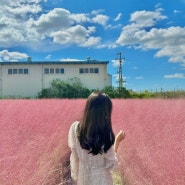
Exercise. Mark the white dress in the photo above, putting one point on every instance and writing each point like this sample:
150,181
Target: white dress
87,169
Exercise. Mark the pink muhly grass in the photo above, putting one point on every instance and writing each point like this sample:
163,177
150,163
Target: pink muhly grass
153,151
34,151
33,140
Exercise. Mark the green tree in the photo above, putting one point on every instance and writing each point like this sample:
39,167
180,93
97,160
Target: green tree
122,93
117,92
72,88
110,91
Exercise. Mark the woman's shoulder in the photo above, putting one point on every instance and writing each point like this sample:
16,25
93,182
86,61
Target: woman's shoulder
74,126
72,135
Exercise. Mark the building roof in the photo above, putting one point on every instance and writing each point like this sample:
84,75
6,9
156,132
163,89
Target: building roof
55,62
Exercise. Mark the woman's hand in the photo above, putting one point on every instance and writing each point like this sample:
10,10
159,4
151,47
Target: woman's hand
120,136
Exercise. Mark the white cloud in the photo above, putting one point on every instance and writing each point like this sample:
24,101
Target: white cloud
15,17
48,57
91,29
176,75
145,18
5,55
57,18
24,23
91,41
158,5
139,77
11,37
116,63
177,11
109,45
78,35
139,21
21,10
141,34
73,35
117,26
19,2
70,60
100,19
99,11
80,18
118,17
117,77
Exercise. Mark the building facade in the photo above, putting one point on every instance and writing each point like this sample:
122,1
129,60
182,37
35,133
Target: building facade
26,79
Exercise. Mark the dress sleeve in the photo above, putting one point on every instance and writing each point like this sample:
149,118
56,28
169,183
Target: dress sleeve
71,136
111,160
74,161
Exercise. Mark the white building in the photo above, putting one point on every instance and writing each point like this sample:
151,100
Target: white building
26,79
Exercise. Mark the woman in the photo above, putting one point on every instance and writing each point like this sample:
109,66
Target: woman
93,143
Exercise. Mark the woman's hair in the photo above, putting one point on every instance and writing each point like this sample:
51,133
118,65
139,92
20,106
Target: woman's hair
95,130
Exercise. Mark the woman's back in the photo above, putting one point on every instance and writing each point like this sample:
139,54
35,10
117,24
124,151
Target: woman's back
91,169
93,151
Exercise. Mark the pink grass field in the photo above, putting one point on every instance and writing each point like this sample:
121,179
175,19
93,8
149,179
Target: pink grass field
33,140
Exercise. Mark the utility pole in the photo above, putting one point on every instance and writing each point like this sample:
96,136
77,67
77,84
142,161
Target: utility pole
120,76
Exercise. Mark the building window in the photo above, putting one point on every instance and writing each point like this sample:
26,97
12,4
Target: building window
53,70
91,70
10,71
57,70
20,71
17,71
62,70
46,71
81,71
96,70
26,71
88,70
14,71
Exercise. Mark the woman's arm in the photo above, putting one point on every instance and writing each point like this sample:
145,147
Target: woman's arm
73,157
111,161
74,162
119,137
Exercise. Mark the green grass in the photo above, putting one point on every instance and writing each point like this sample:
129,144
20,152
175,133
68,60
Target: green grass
117,178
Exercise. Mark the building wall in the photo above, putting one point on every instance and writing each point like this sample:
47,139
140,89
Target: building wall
99,79
28,85
109,81
21,84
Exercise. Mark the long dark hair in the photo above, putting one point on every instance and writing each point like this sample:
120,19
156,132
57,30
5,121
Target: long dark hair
95,130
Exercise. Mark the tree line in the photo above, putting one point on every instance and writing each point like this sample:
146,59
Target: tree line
74,88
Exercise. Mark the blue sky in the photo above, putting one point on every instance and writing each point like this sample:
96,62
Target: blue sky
149,34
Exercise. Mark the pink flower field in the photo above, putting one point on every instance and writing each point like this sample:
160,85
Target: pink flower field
33,140
153,152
